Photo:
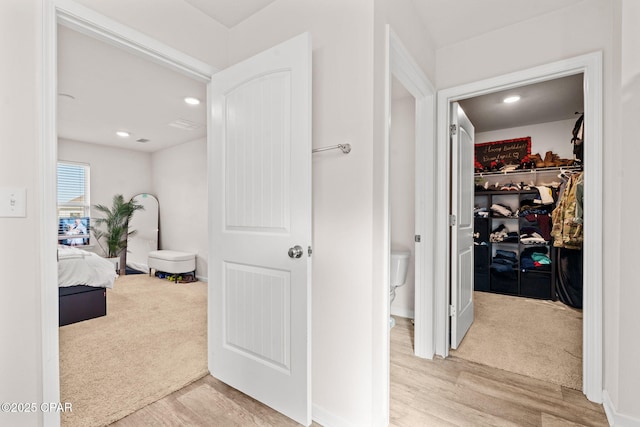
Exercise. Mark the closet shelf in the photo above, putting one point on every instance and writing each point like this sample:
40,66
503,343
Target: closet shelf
529,171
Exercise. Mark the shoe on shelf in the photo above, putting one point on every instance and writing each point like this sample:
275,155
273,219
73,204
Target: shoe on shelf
549,160
537,160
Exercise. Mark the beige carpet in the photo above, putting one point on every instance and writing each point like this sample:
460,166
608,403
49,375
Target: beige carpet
152,342
537,338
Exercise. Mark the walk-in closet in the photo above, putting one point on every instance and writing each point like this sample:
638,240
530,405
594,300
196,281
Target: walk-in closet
528,230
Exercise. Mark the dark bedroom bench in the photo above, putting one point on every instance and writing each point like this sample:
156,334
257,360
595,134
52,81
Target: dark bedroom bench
78,303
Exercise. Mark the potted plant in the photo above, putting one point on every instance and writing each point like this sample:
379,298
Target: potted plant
112,229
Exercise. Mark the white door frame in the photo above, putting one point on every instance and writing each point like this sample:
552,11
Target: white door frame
403,67
400,64
89,22
591,66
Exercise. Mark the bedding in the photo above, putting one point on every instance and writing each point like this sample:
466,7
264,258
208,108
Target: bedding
80,267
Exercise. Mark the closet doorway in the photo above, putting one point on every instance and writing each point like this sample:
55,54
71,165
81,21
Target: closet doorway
590,66
525,321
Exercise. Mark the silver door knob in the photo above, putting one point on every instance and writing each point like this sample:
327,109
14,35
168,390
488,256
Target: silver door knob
295,252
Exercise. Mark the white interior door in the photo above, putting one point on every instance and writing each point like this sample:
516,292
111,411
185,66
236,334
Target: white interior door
260,227
462,152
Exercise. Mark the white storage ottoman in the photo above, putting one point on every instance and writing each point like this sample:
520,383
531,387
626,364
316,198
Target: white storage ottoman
174,262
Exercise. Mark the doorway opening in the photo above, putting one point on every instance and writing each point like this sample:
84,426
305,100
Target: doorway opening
106,90
590,66
402,201
527,278
415,103
77,18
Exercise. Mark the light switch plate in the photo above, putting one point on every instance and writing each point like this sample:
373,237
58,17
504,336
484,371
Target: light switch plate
13,202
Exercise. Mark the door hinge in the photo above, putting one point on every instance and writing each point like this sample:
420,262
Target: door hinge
453,129
417,238
452,220
452,310
309,250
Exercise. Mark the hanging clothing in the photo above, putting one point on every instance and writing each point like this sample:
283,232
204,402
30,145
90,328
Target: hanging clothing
567,228
569,284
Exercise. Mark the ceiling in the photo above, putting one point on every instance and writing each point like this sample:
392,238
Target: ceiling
110,89
451,21
543,102
103,89
229,12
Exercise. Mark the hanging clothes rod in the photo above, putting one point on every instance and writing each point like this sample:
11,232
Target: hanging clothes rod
346,148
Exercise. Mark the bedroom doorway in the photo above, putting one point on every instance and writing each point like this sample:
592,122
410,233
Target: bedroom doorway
78,18
150,322
295,108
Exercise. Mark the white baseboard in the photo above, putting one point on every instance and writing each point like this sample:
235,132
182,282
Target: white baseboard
402,312
616,419
327,419
202,278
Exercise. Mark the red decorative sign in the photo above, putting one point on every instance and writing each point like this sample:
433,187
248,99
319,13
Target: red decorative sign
509,151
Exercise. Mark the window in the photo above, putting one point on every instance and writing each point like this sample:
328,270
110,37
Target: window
73,204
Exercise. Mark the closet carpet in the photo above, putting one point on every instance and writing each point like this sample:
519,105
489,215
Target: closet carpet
537,338
152,342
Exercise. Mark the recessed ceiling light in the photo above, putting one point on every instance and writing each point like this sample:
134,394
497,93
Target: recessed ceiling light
191,100
123,134
511,99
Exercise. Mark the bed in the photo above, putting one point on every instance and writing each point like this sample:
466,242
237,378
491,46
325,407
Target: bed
83,279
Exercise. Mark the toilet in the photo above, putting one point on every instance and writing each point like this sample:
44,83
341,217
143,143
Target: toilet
399,267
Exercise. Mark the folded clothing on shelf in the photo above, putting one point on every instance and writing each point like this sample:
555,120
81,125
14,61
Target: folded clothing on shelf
535,258
479,212
532,239
504,261
500,210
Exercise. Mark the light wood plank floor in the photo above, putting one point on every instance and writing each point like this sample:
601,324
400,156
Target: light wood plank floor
451,392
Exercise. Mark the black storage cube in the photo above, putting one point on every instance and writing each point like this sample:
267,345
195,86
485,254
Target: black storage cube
504,282
536,284
78,303
481,268
481,227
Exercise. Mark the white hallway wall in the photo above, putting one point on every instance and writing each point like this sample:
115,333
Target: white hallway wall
628,354
174,23
542,40
20,334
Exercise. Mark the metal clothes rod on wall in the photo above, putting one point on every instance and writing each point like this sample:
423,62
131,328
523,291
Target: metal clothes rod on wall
346,148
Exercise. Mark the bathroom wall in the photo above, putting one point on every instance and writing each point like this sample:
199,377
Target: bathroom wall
402,195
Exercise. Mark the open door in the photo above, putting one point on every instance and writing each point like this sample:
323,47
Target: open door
260,227
462,152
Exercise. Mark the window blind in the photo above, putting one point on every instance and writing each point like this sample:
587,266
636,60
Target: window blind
73,189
